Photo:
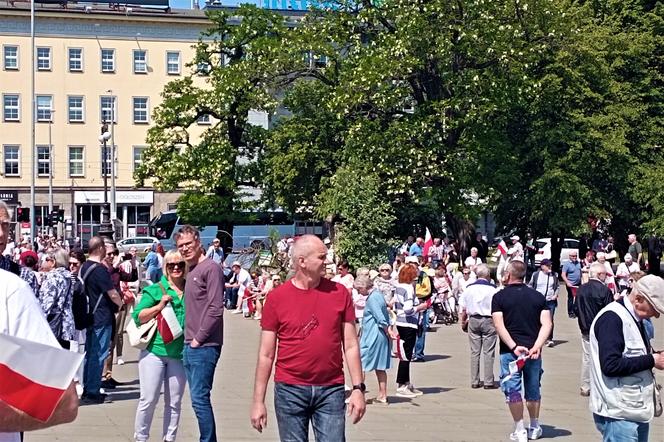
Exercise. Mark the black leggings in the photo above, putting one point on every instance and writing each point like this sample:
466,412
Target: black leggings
408,335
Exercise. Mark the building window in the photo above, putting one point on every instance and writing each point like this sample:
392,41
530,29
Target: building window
11,57
140,109
106,160
75,109
11,108
43,161
76,161
44,107
138,156
75,60
107,106
108,60
12,161
140,61
44,59
204,120
173,63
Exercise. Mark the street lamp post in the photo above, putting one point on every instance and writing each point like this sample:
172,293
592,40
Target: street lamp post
106,228
50,169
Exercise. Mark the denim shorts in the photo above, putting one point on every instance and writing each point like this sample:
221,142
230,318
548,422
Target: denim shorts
529,377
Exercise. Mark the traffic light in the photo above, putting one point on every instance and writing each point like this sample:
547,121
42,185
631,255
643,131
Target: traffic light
61,216
22,214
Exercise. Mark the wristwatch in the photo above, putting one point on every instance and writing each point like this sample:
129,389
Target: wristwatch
360,387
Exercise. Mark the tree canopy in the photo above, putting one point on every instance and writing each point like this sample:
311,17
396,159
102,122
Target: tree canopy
391,116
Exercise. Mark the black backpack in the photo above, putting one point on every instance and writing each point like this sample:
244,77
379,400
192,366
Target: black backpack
83,314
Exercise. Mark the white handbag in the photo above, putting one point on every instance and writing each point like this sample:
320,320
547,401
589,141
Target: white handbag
140,336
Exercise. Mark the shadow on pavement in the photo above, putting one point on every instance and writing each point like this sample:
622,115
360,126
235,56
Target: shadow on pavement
428,358
551,431
124,395
434,390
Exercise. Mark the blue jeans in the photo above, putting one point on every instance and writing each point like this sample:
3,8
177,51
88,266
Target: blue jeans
199,366
530,377
616,430
296,405
418,353
551,305
97,344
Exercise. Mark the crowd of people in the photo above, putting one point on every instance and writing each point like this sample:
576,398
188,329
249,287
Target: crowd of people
319,315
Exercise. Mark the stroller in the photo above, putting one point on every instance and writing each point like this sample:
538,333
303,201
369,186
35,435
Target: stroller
444,311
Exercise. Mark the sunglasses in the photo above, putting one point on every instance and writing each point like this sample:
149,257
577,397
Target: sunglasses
172,265
112,254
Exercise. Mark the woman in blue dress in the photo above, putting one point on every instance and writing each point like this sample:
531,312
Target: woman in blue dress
375,342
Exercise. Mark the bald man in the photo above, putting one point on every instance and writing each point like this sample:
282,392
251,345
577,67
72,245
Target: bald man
310,320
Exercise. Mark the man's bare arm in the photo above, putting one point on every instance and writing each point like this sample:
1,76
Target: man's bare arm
13,420
266,353
357,403
115,297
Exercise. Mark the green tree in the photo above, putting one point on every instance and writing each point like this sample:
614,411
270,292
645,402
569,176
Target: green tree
353,195
232,73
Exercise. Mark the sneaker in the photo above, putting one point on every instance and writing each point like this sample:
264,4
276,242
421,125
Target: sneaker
107,385
121,361
404,391
414,390
236,312
519,436
93,399
534,433
257,317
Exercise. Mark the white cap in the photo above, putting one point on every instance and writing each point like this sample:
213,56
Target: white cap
515,237
412,259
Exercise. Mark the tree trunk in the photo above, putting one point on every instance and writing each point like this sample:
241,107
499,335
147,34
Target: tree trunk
464,232
557,239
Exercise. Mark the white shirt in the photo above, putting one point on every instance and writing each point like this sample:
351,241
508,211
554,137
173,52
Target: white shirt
21,316
471,262
459,283
624,271
476,299
346,281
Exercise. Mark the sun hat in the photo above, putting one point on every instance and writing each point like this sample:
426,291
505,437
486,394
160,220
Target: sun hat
652,288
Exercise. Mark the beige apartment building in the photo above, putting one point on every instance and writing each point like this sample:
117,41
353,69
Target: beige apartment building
94,64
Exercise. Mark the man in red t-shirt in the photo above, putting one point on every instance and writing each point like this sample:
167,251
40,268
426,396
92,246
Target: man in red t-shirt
310,319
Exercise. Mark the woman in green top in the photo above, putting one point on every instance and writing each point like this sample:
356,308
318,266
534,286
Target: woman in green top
161,363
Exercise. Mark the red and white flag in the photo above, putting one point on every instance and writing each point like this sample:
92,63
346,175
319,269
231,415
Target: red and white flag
168,325
400,351
515,367
428,242
502,247
34,376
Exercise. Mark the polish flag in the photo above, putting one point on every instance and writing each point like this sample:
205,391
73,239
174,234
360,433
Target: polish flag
514,367
502,247
168,324
400,352
428,242
35,376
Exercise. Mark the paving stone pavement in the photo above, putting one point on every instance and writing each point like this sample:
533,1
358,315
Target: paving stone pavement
448,411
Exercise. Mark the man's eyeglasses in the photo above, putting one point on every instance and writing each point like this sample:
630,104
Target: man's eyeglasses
109,254
74,264
172,265
186,245
466,274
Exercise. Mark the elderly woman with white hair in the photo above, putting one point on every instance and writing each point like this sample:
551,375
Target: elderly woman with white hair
376,335
55,296
610,280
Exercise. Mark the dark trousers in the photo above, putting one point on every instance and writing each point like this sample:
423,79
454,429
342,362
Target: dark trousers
408,335
230,295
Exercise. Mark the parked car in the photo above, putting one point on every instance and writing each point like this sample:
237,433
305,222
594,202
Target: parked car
544,249
140,242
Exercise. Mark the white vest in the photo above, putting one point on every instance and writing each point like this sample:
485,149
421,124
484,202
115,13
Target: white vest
628,397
